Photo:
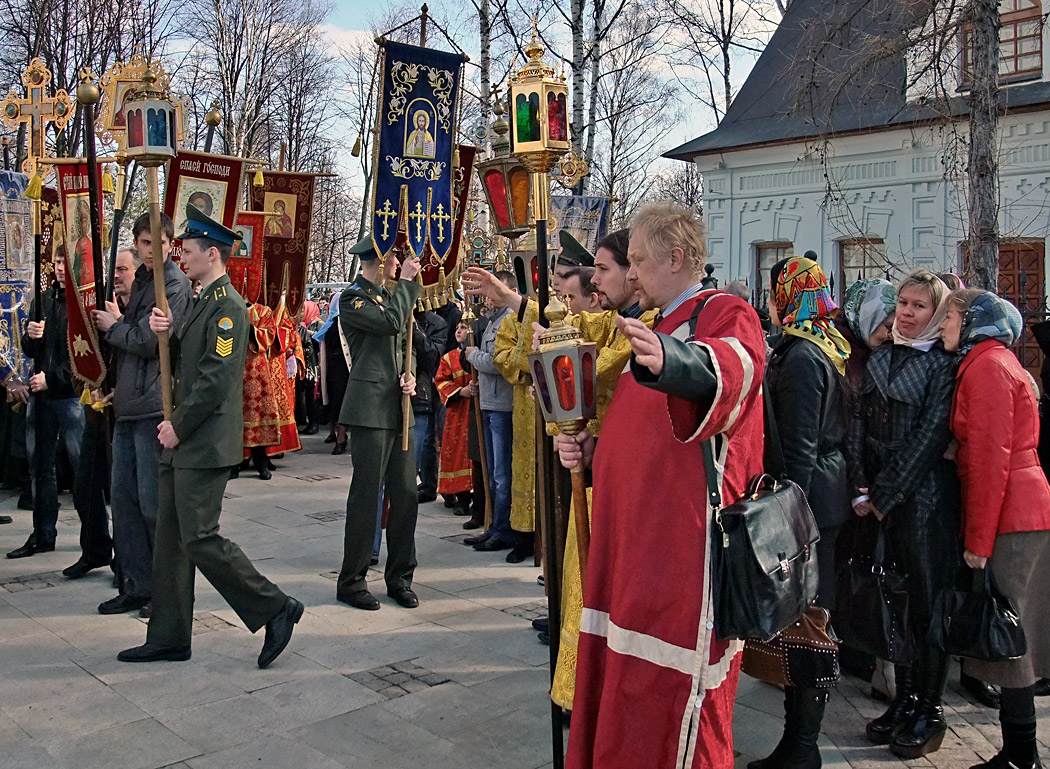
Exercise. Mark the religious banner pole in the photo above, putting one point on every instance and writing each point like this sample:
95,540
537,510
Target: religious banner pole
7,153
88,95
151,142
213,118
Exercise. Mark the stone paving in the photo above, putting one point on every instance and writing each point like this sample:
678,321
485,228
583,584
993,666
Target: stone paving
459,682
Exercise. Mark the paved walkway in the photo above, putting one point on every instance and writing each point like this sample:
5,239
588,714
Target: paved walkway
459,682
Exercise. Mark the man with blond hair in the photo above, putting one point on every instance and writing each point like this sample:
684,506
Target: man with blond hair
655,686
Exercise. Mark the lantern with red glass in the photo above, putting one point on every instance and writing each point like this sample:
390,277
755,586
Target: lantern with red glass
564,374
506,182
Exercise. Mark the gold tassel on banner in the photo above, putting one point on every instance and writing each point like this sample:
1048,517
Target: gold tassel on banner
107,183
35,188
356,151
257,180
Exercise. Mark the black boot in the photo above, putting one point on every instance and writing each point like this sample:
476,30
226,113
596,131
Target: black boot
258,457
803,713
880,731
924,731
1018,722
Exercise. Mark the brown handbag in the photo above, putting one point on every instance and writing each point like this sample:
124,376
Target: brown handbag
803,654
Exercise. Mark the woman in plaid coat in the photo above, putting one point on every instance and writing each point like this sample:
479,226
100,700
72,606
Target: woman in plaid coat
897,447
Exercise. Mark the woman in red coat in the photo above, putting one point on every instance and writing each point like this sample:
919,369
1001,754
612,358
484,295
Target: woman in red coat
1006,499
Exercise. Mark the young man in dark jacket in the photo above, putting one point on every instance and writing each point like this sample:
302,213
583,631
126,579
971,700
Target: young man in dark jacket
138,410
428,345
54,410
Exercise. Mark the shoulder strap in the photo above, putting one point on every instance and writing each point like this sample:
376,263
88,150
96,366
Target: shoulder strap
711,471
775,450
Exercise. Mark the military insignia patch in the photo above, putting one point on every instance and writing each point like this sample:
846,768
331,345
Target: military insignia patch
359,303
224,347
226,324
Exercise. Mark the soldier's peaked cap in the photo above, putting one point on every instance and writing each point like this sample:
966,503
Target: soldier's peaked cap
572,251
365,249
200,225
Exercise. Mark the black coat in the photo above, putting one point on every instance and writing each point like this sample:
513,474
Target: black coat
428,345
50,354
897,444
808,399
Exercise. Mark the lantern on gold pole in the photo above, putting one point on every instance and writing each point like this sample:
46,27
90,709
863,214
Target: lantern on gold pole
540,137
506,182
564,372
151,142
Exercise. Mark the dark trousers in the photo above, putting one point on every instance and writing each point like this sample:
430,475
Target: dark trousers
307,409
190,501
89,493
136,462
46,421
377,459
426,453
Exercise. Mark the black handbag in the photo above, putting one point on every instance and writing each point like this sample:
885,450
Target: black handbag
980,623
871,606
763,560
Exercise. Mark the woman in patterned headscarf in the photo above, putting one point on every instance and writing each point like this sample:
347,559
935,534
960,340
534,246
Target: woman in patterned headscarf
901,478
1006,499
866,321
805,384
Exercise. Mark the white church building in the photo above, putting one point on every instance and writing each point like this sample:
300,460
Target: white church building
862,180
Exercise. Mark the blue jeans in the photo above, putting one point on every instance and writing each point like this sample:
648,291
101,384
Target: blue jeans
498,446
136,468
46,421
426,453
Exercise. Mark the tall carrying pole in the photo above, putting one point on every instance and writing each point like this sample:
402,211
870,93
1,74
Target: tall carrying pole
88,95
159,287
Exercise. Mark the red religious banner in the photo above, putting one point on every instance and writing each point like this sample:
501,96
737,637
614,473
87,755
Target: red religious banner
212,183
50,219
439,275
289,197
75,209
246,261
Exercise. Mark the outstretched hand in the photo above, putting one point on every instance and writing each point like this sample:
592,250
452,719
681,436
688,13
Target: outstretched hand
478,281
645,344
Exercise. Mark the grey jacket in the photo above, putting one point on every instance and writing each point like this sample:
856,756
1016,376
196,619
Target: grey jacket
496,393
137,391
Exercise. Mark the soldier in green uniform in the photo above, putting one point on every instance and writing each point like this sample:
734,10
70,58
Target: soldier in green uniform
201,441
374,321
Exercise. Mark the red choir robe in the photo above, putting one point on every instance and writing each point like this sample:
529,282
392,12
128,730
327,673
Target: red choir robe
260,407
287,343
655,687
455,473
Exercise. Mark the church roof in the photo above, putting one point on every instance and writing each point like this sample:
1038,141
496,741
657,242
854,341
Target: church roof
833,67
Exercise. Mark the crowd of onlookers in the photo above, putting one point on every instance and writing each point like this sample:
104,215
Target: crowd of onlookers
903,415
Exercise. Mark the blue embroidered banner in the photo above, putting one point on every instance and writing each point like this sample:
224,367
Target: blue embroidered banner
584,216
412,191
16,274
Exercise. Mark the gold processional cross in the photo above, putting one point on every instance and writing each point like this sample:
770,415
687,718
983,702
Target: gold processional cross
36,111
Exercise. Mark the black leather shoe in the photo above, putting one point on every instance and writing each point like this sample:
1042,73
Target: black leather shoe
482,537
520,553
330,438
472,524
122,604
1042,687
235,473
339,448
32,547
360,599
310,430
544,638
880,731
984,694
5,519
491,545
423,497
80,568
542,624
405,596
265,474
279,631
25,501
146,611
155,653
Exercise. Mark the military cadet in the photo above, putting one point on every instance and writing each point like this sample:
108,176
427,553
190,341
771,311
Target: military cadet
374,320
202,441
571,256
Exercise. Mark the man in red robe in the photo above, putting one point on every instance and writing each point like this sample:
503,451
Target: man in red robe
455,474
261,419
655,687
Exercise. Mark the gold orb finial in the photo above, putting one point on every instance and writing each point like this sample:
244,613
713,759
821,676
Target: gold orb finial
213,116
88,92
